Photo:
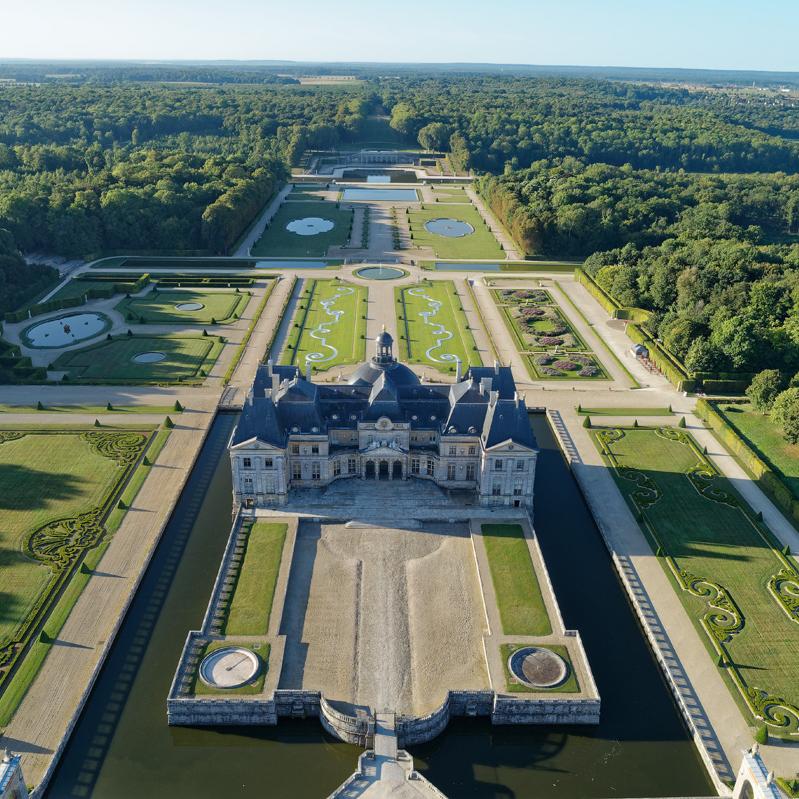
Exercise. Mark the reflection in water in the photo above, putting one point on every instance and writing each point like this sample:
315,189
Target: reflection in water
123,748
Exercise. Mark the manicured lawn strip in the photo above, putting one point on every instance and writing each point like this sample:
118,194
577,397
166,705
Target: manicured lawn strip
237,355
158,307
605,345
278,241
416,337
136,481
251,604
96,409
570,685
711,543
486,327
519,601
199,688
481,244
765,438
347,335
78,288
624,411
111,361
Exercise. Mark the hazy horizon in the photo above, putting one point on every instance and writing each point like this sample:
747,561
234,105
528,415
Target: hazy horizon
714,35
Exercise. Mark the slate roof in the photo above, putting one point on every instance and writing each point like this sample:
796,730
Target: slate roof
483,403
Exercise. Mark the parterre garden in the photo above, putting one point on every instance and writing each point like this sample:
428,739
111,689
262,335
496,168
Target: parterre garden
550,345
329,327
279,241
432,326
738,586
179,306
481,244
59,491
186,358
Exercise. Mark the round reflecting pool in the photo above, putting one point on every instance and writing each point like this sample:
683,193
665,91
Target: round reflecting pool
380,273
189,306
451,228
65,330
309,226
229,667
149,357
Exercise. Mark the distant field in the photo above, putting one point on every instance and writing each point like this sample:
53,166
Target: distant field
433,328
481,244
161,307
766,439
330,328
111,361
278,241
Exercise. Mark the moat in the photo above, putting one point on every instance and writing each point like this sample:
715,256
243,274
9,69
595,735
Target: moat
122,746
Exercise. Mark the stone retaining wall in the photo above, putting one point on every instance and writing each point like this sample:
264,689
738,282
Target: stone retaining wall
511,710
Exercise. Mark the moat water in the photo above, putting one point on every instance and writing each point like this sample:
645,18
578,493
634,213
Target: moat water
122,746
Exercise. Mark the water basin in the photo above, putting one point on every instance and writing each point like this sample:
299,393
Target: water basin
441,266
380,273
229,667
381,195
291,265
451,228
310,226
189,306
65,330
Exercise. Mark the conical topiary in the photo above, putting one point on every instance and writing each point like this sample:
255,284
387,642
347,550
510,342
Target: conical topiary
168,423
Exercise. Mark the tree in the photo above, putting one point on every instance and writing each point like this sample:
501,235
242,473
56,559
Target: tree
434,136
785,413
764,388
702,356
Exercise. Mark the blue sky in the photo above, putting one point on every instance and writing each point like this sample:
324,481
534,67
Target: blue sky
720,34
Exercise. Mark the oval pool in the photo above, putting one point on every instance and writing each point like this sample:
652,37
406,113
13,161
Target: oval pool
309,226
380,273
451,228
65,330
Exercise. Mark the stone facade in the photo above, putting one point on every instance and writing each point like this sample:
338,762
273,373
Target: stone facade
384,424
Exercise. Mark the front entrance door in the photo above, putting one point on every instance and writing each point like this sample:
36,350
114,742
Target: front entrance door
383,471
370,470
396,470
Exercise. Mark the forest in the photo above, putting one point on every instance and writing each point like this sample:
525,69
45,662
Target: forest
683,198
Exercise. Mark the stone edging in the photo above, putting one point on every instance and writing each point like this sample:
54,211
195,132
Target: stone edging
662,658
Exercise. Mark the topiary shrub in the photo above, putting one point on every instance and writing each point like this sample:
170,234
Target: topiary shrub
761,734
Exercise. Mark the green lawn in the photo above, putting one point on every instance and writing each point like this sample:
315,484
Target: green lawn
160,307
765,439
255,587
278,241
329,326
451,194
96,409
56,487
111,361
569,686
719,558
481,244
521,606
433,327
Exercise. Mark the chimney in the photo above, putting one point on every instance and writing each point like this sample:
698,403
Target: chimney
275,385
485,385
308,371
496,367
458,371
269,367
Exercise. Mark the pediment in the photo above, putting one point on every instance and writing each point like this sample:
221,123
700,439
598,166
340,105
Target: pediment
255,443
